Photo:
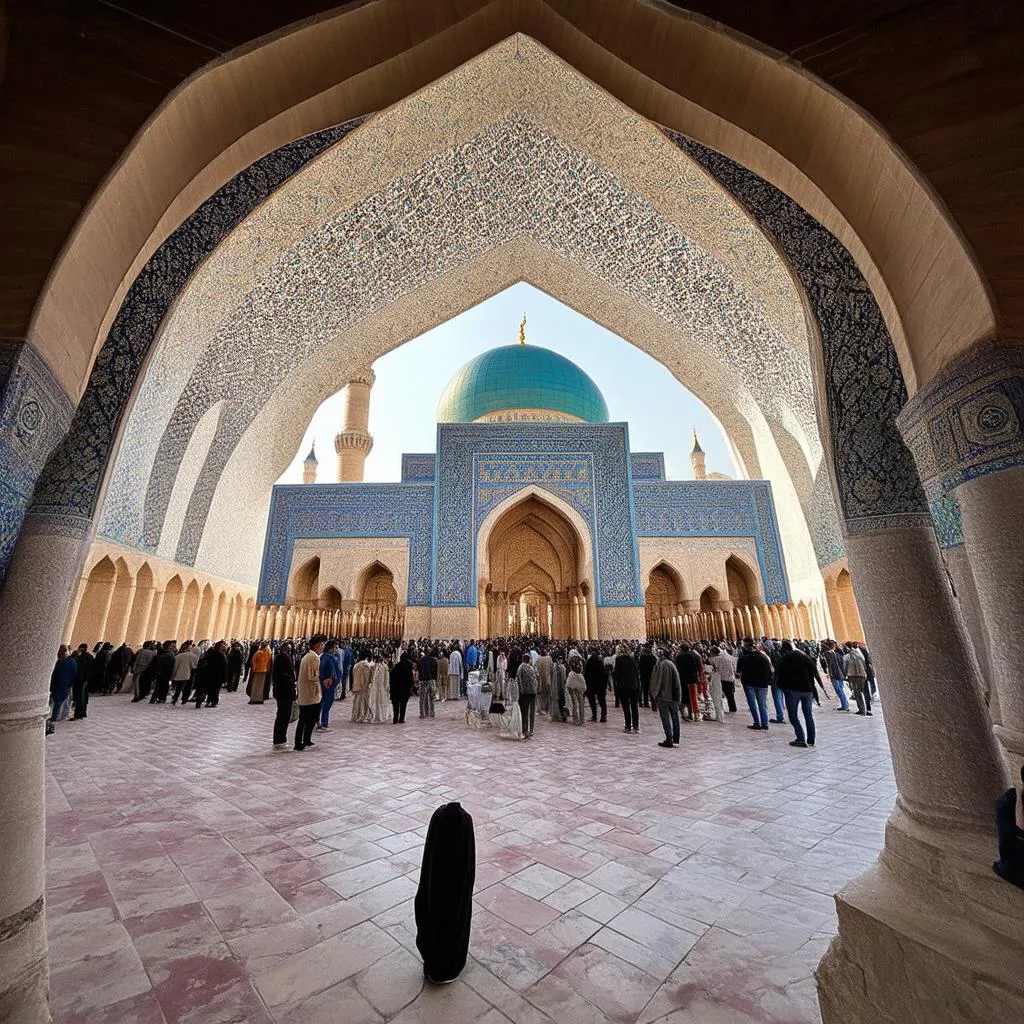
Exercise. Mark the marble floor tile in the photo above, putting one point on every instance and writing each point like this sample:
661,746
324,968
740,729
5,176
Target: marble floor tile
238,886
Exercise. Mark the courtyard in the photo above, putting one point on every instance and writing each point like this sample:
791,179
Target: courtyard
195,874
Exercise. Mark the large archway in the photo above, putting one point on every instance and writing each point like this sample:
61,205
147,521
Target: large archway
531,579
925,283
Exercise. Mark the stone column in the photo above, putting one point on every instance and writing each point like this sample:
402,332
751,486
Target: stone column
354,442
902,569
966,430
138,623
45,566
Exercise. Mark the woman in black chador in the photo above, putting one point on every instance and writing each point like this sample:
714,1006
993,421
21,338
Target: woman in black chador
444,900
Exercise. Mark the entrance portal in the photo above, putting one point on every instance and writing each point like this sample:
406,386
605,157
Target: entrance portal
532,583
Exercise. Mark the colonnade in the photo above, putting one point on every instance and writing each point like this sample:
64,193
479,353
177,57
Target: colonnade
573,613
685,621
276,622
119,598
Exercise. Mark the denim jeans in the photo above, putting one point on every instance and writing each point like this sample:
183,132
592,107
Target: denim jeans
796,702
757,701
669,711
780,705
326,702
840,687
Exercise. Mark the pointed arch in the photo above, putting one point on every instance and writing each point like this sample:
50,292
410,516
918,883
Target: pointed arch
91,621
305,581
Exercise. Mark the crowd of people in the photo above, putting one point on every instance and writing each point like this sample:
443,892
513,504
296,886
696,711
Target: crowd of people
522,677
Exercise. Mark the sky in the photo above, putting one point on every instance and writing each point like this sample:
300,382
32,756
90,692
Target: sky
410,380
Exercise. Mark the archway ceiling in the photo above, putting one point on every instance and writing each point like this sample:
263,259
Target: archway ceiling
539,151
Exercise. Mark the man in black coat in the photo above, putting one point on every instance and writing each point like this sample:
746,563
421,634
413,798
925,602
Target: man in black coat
284,690
80,688
796,676
400,688
597,685
162,669
627,685
646,663
211,675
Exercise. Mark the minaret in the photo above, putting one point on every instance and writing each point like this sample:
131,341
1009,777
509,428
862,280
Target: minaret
354,443
309,464
697,459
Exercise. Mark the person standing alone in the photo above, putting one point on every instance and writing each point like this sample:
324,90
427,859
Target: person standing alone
309,692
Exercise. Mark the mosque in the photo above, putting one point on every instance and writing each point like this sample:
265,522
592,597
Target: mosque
533,515
218,215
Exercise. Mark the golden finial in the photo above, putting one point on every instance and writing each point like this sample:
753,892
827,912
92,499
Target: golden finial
522,331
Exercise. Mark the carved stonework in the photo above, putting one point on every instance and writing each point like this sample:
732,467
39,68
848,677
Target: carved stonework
353,440
966,422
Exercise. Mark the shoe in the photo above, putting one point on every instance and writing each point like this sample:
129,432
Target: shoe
278,746
604,719
310,744
810,743
666,743
764,728
627,729
753,727
797,743
779,721
298,750
593,718
637,729
869,714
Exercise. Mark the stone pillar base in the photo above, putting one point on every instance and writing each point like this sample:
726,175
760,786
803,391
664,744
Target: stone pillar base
23,992
928,934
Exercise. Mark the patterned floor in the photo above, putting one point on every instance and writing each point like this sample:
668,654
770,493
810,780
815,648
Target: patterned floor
196,874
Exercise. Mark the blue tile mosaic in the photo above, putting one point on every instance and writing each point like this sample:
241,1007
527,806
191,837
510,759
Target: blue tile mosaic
74,473
35,412
348,510
877,479
584,464
418,467
647,465
717,508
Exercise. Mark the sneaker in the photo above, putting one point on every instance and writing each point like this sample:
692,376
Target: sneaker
627,729
666,743
797,743
637,729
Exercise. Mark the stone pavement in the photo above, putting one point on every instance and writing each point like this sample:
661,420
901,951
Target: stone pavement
195,874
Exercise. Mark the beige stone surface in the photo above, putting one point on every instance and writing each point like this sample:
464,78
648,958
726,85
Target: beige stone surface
155,594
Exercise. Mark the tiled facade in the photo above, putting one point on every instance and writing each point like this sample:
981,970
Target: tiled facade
482,466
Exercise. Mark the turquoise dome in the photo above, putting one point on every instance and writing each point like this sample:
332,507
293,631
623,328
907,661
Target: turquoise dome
520,377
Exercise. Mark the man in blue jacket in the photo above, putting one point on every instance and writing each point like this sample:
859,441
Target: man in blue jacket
330,676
